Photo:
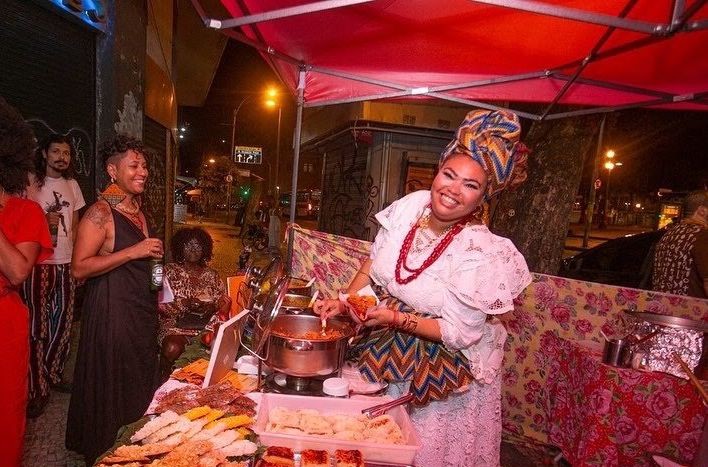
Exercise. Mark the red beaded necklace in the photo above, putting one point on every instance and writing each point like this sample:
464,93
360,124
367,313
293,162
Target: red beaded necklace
436,253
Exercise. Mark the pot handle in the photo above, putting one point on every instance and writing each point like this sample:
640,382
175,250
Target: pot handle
299,346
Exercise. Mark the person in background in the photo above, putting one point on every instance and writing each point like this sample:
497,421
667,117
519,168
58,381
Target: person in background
197,289
681,257
274,228
442,276
24,240
49,291
117,360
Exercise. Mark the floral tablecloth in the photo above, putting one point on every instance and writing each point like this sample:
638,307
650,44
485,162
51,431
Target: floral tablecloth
602,415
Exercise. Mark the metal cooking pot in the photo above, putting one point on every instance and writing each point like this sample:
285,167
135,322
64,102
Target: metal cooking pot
295,302
306,357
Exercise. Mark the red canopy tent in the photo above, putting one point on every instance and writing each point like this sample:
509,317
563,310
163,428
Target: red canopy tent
604,55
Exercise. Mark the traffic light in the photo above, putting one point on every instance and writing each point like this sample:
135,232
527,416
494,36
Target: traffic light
245,192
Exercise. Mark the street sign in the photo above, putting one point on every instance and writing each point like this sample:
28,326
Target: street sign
229,178
248,155
598,184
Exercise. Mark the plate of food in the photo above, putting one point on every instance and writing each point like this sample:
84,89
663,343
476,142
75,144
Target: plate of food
359,302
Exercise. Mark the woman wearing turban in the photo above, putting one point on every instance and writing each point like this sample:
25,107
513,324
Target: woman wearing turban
442,277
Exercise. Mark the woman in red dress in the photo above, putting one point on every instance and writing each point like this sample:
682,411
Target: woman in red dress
24,240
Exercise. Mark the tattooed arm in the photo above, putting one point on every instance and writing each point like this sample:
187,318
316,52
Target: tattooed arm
93,251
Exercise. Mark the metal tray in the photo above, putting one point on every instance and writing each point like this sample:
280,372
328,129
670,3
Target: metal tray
669,321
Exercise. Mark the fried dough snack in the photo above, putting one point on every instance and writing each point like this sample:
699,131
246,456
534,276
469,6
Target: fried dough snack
361,303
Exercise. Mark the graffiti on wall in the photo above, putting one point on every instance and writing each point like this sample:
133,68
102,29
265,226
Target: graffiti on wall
130,119
349,194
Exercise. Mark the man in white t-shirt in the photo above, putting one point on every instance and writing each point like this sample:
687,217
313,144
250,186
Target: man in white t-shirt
49,291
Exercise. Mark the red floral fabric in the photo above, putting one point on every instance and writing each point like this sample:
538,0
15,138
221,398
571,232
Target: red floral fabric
603,415
550,306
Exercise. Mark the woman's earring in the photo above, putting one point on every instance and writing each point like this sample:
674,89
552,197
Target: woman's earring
480,214
113,194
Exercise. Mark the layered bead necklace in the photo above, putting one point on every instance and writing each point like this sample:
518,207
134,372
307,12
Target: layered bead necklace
448,234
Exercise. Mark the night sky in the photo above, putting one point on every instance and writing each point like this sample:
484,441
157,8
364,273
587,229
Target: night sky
658,149
242,74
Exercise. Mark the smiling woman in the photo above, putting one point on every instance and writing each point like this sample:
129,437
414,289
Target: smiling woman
117,366
441,277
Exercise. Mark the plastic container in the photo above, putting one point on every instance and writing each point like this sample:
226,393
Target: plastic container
336,387
372,452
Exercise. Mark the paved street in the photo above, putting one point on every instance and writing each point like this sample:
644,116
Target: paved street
596,236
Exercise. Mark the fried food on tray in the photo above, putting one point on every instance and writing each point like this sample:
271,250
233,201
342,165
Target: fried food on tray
361,303
113,460
350,427
348,458
240,447
172,440
222,396
314,458
194,374
280,456
155,424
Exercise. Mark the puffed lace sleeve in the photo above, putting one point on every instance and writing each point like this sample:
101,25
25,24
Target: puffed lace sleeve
490,281
385,218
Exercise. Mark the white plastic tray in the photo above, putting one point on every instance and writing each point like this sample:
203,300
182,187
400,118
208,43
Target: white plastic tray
371,452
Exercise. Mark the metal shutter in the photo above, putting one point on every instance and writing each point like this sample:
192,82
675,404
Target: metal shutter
47,72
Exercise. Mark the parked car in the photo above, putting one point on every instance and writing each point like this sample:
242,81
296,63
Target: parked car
625,261
308,203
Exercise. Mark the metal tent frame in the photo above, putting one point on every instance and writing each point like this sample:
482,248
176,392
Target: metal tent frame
683,20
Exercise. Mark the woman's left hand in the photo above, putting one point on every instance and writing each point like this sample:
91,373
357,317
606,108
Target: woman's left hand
379,316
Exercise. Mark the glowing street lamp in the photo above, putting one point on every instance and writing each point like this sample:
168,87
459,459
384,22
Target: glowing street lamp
272,102
609,164
212,160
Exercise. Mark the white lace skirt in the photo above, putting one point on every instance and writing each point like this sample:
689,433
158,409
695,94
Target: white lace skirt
462,431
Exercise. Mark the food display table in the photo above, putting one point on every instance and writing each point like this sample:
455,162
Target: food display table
603,415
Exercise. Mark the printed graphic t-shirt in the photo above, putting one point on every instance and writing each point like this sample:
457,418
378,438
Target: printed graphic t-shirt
62,196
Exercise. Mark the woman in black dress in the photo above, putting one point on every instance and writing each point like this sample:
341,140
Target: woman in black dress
117,364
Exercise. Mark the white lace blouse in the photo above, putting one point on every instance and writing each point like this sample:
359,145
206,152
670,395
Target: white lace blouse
479,274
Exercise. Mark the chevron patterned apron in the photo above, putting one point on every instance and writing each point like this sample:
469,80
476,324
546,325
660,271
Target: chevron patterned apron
385,354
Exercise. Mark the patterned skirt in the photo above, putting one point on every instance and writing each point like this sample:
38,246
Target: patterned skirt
386,354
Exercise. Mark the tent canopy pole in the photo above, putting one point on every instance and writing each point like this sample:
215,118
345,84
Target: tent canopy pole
296,157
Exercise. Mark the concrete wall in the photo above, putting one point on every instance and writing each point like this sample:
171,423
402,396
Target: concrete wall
120,71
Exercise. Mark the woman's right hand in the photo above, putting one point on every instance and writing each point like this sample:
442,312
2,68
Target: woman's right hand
328,307
148,248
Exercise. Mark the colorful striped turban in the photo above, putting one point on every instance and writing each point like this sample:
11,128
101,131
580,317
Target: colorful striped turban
492,140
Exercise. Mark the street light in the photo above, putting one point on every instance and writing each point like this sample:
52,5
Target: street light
233,125
273,101
610,164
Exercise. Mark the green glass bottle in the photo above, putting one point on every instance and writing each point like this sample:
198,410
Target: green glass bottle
156,273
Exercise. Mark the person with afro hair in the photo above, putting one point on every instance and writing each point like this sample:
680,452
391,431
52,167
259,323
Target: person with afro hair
24,240
200,297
